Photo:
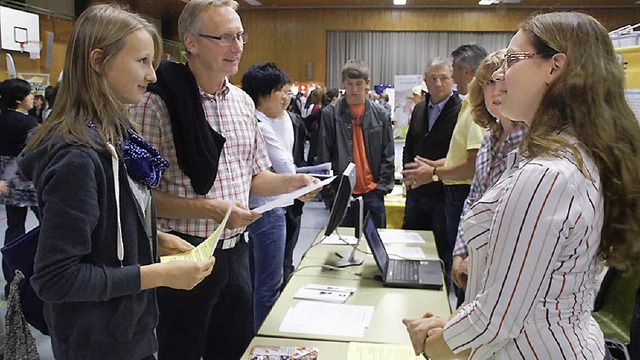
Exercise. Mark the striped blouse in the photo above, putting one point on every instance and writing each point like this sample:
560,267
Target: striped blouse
533,240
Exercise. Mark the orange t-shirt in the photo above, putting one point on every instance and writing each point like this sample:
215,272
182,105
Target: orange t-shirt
364,178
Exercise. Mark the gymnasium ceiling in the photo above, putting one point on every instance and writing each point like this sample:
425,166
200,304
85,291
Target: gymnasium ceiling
170,9
270,4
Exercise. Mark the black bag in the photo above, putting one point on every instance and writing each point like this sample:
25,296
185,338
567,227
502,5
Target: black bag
20,255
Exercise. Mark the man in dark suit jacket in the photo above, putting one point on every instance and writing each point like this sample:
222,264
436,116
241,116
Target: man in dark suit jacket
429,135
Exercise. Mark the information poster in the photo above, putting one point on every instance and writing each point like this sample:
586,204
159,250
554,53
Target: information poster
403,104
630,58
38,81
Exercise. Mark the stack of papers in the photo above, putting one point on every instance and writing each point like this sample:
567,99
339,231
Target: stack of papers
326,293
319,170
406,252
388,236
310,317
287,199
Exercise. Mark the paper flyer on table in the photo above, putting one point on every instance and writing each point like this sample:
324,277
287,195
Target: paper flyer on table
287,199
205,249
390,236
326,293
310,317
406,252
334,239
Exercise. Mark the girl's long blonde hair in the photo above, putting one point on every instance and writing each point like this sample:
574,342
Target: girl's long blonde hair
83,94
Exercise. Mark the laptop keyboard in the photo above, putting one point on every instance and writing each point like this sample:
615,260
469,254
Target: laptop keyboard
405,270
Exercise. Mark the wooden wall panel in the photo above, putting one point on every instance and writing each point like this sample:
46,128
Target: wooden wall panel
292,38
62,30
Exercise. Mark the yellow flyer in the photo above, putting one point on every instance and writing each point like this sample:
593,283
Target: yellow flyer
205,249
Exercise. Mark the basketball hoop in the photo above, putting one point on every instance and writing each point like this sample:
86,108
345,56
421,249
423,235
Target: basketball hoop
32,47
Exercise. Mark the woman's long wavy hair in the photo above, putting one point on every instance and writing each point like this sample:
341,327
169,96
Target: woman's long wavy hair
84,94
481,115
588,100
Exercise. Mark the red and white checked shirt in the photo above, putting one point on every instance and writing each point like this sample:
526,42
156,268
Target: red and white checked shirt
230,112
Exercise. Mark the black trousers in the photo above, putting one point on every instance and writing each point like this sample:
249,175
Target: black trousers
214,320
16,219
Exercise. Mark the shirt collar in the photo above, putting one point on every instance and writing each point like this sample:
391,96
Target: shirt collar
517,132
222,93
441,104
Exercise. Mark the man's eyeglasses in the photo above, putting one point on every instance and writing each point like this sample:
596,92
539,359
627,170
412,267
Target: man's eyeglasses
512,58
228,39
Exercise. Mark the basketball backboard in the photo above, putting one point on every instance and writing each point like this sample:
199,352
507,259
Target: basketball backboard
18,28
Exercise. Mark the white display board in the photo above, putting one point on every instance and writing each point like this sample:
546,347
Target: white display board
403,104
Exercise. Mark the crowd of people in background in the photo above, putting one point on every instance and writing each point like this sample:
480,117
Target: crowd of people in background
526,188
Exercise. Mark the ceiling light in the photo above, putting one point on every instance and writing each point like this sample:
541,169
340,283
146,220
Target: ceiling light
253,2
485,2
399,2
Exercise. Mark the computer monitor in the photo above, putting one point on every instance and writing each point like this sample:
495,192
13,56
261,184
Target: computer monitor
342,198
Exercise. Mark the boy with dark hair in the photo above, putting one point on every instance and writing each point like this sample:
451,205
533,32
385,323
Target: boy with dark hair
354,129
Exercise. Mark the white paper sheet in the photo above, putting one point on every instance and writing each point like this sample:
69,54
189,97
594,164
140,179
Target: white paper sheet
391,236
326,293
310,317
287,199
388,236
333,239
335,297
406,252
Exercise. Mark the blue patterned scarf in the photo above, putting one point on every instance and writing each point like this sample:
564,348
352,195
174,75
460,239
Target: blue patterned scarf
143,162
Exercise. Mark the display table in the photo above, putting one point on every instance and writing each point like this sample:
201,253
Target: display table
391,305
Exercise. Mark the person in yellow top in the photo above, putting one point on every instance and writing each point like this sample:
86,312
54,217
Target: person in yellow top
457,169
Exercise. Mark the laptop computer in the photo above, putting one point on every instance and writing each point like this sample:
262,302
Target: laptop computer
421,274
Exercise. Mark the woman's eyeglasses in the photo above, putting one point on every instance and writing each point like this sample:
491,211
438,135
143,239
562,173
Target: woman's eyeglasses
512,58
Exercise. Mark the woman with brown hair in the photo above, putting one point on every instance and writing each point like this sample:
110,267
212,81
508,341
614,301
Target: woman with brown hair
569,200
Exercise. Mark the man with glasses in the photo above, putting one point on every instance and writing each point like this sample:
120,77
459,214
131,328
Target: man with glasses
205,127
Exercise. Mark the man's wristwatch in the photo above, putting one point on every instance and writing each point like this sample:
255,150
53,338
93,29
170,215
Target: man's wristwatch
435,176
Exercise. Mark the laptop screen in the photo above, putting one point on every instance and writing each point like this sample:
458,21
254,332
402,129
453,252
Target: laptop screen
375,243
